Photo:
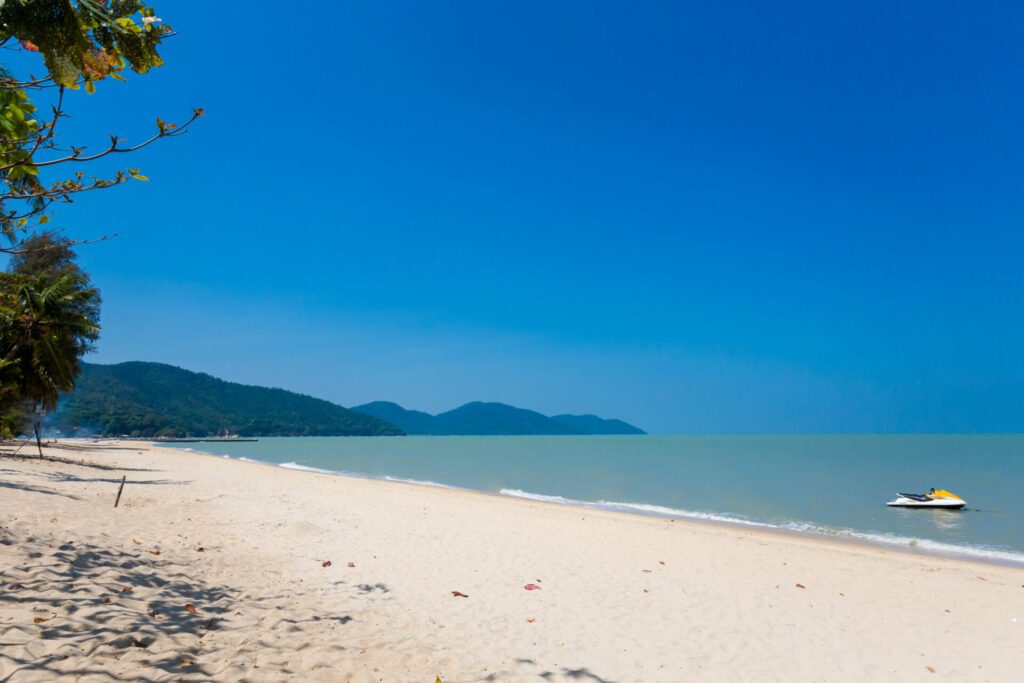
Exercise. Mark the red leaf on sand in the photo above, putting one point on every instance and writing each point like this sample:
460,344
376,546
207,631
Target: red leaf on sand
930,669
190,608
532,587
530,620
14,586
459,594
800,585
39,620
326,563
351,564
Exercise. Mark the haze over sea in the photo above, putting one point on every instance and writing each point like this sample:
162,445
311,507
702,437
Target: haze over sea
826,484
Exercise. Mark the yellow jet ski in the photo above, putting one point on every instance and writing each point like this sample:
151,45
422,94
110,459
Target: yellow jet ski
936,498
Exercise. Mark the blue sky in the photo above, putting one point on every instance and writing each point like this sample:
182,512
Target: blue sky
698,217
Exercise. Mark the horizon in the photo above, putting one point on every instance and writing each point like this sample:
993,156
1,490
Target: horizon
712,220
353,407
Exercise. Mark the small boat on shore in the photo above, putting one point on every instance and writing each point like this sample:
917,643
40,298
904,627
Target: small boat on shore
933,499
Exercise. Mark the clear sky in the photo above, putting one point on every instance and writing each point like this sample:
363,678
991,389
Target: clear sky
697,217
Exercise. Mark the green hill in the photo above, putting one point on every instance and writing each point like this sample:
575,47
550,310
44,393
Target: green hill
481,419
592,424
152,399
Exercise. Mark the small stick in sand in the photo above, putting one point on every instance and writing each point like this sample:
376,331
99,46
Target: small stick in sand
119,489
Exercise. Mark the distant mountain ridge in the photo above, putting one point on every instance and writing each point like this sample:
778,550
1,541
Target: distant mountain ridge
141,399
491,419
153,399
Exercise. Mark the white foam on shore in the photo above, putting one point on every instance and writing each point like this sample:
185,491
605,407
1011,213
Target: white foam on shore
342,473
906,542
306,468
422,482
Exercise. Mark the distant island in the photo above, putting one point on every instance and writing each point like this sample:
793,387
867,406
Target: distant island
147,400
492,419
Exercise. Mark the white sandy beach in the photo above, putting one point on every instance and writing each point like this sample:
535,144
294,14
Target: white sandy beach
214,569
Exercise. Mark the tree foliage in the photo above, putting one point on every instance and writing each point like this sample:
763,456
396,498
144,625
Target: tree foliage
80,44
49,310
49,319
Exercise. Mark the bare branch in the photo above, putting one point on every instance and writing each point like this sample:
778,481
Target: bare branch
170,131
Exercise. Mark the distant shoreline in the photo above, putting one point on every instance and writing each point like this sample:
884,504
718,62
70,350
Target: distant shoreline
921,548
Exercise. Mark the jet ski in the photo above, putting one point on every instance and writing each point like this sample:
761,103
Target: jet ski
933,499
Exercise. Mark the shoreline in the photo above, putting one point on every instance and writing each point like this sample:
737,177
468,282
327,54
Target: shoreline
213,570
969,554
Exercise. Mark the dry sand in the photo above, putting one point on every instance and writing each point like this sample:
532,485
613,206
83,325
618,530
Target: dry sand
213,569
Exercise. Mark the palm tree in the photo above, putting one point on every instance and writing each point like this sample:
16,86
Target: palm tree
48,324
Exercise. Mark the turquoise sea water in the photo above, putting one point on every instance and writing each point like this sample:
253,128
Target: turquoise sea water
829,484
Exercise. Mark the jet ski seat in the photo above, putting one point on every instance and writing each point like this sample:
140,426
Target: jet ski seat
917,496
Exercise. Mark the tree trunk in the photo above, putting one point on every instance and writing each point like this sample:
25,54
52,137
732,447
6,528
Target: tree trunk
39,442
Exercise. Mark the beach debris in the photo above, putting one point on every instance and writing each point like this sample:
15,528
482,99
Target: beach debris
139,643
136,541
107,600
185,661
154,551
530,620
438,679
459,594
661,562
931,669
125,589
351,564
190,608
40,620
200,549
326,563
532,587
14,586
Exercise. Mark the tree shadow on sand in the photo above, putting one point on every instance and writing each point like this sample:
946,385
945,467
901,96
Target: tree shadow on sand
50,458
30,488
529,667
79,609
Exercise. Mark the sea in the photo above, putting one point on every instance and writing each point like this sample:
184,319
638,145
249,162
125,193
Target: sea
832,485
